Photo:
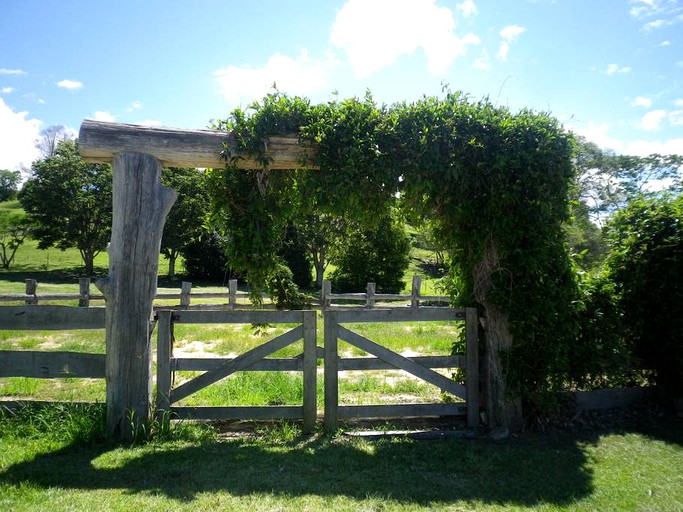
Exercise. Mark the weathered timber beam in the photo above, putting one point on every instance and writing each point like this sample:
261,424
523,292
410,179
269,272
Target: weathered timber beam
99,142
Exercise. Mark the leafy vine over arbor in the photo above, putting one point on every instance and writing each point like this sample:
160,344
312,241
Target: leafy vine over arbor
494,183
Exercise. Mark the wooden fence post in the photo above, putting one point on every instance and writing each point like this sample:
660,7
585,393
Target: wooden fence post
472,366
140,206
331,372
232,293
370,296
84,292
415,292
310,372
31,289
185,290
325,293
164,353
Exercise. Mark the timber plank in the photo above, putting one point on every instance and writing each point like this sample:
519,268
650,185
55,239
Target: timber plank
401,410
237,317
267,412
423,314
47,318
51,365
374,363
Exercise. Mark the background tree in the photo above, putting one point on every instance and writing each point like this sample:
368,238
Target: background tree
205,258
646,266
70,203
9,184
14,230
185,222
50,138
294,252
605,182
379,255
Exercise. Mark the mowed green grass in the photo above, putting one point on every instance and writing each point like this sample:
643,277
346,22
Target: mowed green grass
60,461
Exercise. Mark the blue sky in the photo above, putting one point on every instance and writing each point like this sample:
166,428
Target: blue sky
611,70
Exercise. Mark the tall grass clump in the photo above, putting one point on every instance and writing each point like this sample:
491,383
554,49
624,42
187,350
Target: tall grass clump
68,423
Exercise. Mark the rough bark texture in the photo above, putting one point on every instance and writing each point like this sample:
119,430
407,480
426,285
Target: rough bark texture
503,409
100,142
140,206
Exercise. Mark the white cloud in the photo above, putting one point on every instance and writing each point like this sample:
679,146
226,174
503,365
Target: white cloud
641,101
614,68
7,90
376,33
665,43
508,35
652,121
150,122
597,133
299,76
5,71
679,102
103,116
71,85
648,147
17,138
467,8
136,105
661,13
676,118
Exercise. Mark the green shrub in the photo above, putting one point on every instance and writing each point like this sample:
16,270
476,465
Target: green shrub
646,266
379,255
205,258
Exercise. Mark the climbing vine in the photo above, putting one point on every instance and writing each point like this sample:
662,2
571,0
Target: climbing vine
493,183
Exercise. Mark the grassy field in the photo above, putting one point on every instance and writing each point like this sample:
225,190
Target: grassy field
59,460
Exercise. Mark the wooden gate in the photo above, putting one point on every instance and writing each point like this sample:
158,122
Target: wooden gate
420,367
253,360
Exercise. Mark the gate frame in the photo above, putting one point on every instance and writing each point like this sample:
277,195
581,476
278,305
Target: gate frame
332,327
252,360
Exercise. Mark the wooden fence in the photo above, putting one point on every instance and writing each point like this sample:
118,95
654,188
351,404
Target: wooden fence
234,299
50,365
43,364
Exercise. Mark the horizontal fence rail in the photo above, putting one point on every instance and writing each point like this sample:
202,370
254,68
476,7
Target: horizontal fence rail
233,299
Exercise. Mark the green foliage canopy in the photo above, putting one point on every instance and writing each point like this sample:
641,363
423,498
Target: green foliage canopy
185,222
646,266
9,184
70,202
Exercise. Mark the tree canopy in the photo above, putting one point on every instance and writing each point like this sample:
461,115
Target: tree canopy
9,184
70,203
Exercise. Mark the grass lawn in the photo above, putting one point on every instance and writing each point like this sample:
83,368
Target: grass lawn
47,464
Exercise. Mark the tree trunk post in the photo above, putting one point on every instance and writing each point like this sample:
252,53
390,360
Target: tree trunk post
140,206
503,409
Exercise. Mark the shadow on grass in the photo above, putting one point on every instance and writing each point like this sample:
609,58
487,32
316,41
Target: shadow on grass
526,471
447,471
62,276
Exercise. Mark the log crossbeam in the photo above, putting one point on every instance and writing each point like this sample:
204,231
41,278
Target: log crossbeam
99,142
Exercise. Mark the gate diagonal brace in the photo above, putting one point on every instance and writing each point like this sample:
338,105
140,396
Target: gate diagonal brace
239,363
403,363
